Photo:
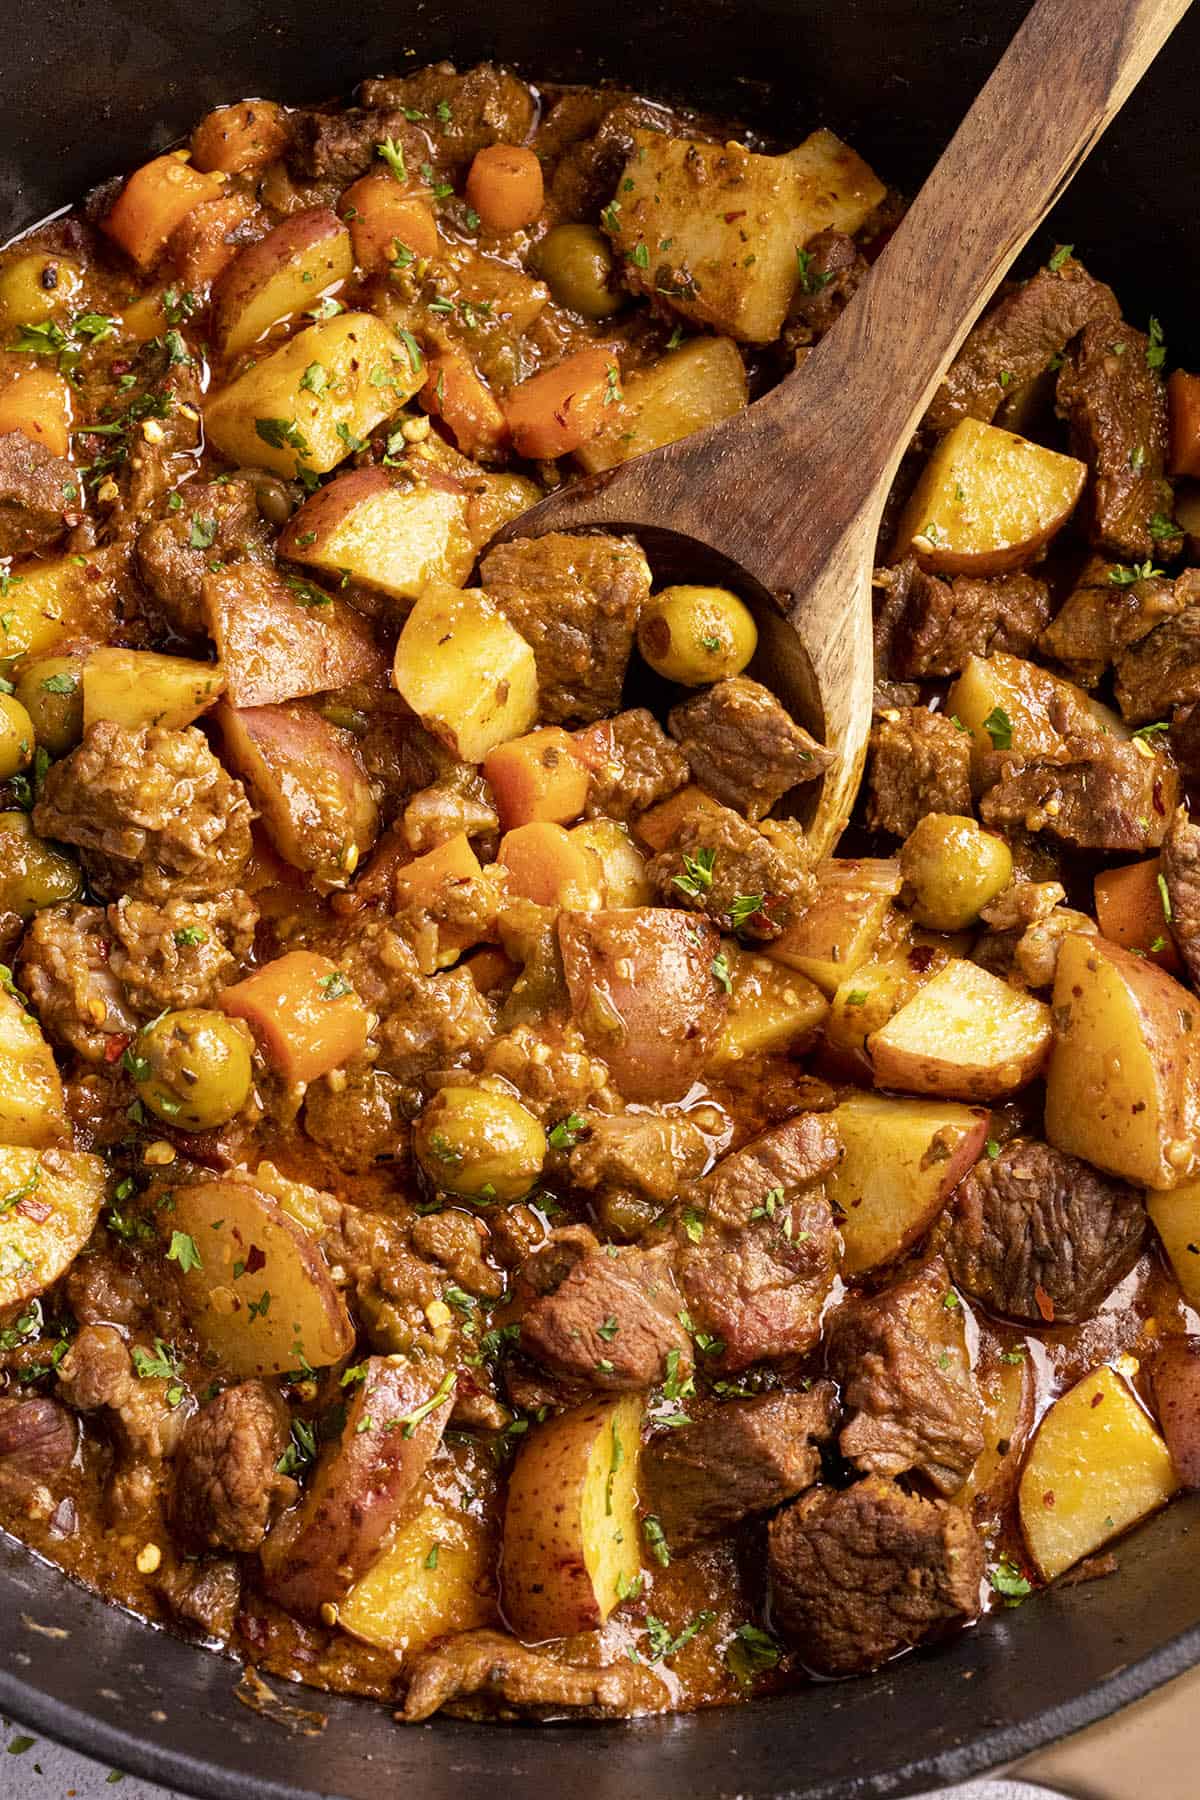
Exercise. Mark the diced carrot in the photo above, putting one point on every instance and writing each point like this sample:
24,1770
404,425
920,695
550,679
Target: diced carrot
425,888
490,969
471,412
303,1012
1131,911
505,186
561,408
538,777
247,135
657,827
383,215
1183,406
152,203
38,404
546,865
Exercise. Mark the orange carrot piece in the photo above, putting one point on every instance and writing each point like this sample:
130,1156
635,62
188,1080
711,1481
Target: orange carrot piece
38,404
303,1012
1130,910
247,135
381,215
490,969
505,186
153,202
1183,407
424,885
457,395
561,408
546,865
657,827
537,777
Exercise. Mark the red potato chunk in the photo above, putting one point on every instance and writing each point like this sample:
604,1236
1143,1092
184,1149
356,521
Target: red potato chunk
281,638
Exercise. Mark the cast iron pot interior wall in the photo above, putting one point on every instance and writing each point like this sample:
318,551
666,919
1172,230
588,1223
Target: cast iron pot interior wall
89,89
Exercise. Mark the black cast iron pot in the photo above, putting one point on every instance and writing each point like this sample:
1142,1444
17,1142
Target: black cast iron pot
87,90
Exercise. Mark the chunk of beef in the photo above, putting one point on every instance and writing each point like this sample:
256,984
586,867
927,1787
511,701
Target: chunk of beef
576,600
183,952
744,747
1116,405
632,762
740,860
1040,1236
1018,339
860,1574
1022,903
553,1072
611,1321
340,146
834,268
425,1022
37,1443
103,1289
501,1677
649,1155
459,1241
1161,670
1096,793
1100,617
586,175
1181,872
36,490
65,970
226,1486
98,1375
206,1594
756,1246
1037,948
463,113
928,626
906,1382
1185,748
369,1254
748,1456
1175,1378
152,813
461,800
357,1116
920,763
216,521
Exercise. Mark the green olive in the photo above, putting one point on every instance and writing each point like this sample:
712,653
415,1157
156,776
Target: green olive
51,690
952,869
481,1145
697,634
16,737
33,873
35,286
192,1068
577,261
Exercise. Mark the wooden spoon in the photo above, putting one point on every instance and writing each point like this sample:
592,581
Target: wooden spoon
783,502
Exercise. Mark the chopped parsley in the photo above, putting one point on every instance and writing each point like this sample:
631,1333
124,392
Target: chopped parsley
188,936
656,1540
184,1252
697,872
411,1420
662,1645
811,281
751,1651
565,1135
998,726
1125,577
393,156
744,907
203,534
1060,256
1156,349
1008,1581
721,971
301,1450
335,986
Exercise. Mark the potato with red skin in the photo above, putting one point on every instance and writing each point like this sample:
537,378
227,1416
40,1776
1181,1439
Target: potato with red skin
311,791
279,277
1175,1379
645,994
362,1486
1183,407
965,1035
280,638
393,536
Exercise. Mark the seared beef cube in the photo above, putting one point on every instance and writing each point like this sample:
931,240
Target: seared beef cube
1095,793
152,813
744,747
928,626
340,146
576,601
747,1457
425,1022
587,174
216,521
462,113
632,762
511,1681
1175,1378
458,1240
833,270
860,1574
1039,1236
1184,741
1018,339
716,860
38,1440
183,952
36,489
360,1120
920,763
612,1322
901,1360
758,1287
226,1486
1181,872
64,968
648,1154
1100,618
207,1593
1161,670
1116,404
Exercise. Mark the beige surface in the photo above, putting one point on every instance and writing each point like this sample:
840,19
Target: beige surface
1147,1752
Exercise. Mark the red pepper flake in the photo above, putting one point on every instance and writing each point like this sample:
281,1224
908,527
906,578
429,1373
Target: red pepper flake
1045,1304
920,958
1157,796
255,1260
116,1047
1048,1497
1096,1399
731,216
37,1210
